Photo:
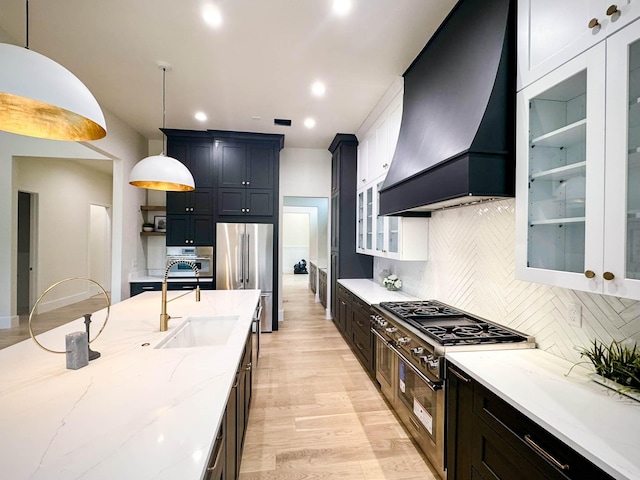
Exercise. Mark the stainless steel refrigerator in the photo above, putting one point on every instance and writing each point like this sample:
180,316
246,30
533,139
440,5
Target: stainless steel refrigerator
244,260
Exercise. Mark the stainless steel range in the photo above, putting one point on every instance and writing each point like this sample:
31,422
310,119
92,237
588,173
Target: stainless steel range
412,338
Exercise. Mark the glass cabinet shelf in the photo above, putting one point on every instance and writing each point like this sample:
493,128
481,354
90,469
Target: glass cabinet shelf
557,221
562,173
568,135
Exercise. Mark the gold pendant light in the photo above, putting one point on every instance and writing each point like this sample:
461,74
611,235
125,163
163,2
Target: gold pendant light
159,172
40,98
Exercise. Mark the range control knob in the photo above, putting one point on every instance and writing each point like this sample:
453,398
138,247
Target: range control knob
391,330
404,341
417,351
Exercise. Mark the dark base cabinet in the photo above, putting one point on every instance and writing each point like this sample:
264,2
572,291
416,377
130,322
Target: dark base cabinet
489,439
237,414
322,286
352,320
136,288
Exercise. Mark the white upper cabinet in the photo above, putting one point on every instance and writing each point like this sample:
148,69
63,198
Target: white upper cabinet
390,237
551,32
578,171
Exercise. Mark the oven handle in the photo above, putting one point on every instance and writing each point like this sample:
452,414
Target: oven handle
384,340
431,384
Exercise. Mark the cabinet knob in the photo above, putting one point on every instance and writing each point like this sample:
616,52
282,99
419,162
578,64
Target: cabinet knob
608,276
589,274
248,183
612,10
364,180
593,23
385,165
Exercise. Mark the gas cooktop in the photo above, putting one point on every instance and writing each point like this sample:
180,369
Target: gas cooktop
448,326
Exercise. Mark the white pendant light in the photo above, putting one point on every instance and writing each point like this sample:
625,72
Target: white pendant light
40,98
159,172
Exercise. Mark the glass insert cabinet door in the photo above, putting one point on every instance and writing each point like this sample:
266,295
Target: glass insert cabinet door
632,260
360,216
622,179
557,176
560,171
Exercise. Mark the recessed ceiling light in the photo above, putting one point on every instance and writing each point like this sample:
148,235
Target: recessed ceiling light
201,116
309,122
318,89
212,16
341,7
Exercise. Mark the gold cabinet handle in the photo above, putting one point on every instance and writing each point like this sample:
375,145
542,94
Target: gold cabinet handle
612,10
593,23
608,276
589,274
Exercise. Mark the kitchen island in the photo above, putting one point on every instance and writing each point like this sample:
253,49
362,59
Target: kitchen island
135,412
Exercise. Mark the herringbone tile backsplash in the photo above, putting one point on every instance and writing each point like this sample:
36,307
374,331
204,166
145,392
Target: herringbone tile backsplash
471,266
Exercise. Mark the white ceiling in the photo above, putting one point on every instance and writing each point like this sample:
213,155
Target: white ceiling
260,62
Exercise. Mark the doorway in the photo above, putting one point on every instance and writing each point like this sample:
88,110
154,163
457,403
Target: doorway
27,203
305,236
99,255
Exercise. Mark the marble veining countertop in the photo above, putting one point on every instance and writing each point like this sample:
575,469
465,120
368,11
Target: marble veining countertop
598,423
372,293
135,412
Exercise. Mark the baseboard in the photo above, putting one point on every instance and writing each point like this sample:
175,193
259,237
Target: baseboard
9,322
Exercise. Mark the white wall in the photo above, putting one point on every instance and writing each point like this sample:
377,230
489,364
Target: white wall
304,172
471,264
299,227
122,145
65,193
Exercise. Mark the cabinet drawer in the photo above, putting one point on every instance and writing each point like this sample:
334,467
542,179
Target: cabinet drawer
362,345
497,420
189,285
137,288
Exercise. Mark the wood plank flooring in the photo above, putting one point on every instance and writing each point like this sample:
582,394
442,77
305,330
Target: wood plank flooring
315,412
46,321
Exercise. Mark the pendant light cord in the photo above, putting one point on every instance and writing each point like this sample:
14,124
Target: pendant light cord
164,108
27,27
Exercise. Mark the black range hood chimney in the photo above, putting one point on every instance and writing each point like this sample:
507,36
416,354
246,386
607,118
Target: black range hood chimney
456,142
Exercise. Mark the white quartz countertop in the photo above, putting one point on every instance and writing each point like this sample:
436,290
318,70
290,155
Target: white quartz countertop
135,412
372,293
598,423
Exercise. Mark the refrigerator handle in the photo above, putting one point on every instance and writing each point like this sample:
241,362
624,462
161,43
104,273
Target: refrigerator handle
240,261
247,262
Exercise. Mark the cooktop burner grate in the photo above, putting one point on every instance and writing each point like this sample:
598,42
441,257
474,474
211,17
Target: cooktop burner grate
420,309
470,334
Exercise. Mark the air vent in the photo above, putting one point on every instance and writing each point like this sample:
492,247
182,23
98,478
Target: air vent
282,122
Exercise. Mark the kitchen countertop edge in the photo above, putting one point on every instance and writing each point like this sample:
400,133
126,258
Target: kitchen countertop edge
581,413
135,412
372,293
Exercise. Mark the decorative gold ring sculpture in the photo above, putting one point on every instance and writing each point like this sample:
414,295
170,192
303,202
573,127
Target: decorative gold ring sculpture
51,288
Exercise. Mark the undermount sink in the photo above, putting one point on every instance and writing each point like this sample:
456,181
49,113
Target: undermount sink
200,332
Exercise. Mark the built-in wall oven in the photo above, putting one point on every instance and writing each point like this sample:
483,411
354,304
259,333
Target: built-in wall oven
411,339
202,257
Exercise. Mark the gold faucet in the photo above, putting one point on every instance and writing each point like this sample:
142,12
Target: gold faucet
164,316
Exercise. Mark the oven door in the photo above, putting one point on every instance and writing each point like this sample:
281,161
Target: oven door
386,367
421,408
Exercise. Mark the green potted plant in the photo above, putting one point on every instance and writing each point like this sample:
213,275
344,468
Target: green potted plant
617,365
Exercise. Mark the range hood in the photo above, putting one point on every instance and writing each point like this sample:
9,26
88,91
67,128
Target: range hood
457,136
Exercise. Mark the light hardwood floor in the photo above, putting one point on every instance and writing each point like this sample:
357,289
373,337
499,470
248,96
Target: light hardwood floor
315,412
46,321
